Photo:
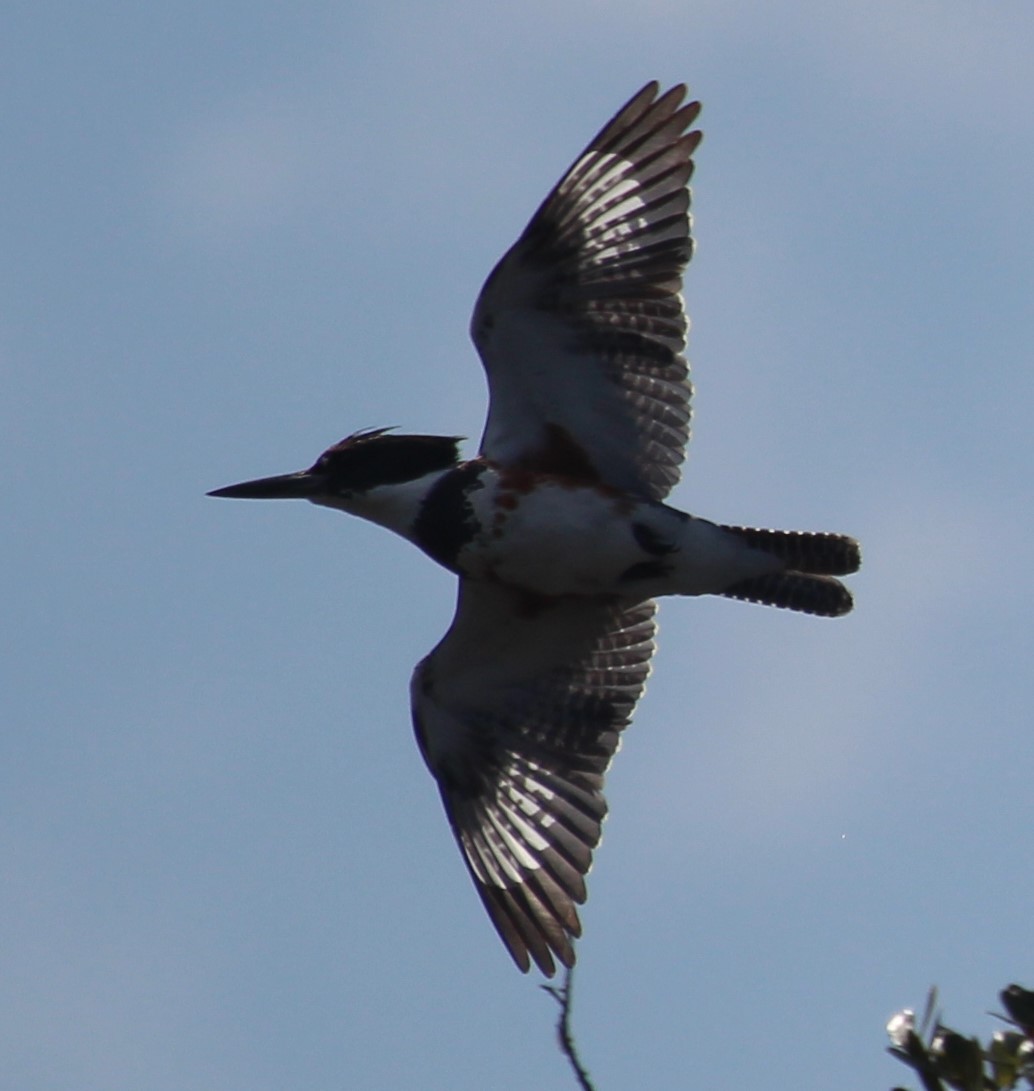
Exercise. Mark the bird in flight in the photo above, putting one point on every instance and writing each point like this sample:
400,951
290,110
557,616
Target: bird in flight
557,528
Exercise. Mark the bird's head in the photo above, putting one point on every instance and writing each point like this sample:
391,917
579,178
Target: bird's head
346,475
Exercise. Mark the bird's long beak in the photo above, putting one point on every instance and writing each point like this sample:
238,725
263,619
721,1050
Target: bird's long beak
303,485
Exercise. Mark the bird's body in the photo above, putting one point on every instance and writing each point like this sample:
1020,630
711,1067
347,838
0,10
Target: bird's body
551,535
558,530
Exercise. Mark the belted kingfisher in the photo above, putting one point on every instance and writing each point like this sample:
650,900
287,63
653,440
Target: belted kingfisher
557,529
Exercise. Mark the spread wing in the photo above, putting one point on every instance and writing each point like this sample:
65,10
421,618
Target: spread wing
518,712
581,326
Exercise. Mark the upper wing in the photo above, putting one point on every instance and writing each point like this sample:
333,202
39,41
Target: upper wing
581,326
518,712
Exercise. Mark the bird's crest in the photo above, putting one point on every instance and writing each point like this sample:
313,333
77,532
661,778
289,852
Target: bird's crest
376,456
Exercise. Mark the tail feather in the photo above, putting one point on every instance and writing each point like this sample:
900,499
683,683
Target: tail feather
814,554
810,594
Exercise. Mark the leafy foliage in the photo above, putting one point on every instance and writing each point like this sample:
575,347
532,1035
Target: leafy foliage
943,1058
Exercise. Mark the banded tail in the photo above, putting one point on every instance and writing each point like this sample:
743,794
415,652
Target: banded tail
812,561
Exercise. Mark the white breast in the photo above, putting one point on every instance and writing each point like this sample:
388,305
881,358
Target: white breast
553,539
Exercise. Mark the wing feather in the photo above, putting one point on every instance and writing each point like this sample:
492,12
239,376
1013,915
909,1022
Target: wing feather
581,325
519,711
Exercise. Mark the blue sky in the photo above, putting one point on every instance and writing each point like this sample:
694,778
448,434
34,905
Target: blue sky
233,233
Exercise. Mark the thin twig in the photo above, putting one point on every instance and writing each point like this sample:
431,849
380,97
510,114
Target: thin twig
562,995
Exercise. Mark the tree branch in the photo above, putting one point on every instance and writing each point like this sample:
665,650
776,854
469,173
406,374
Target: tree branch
562,995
